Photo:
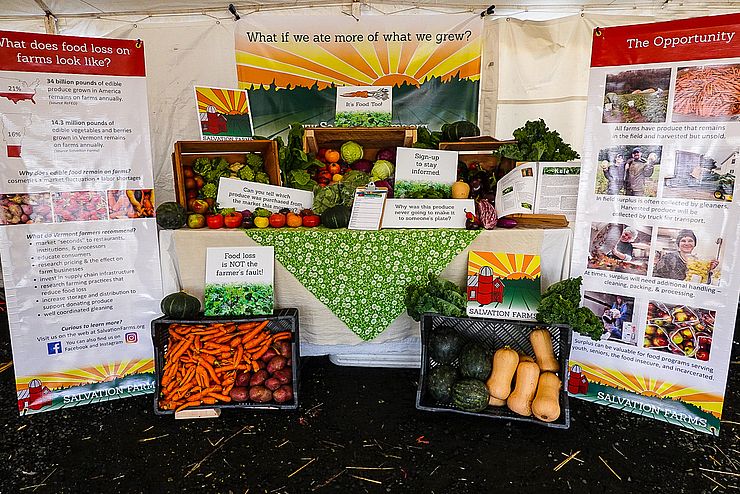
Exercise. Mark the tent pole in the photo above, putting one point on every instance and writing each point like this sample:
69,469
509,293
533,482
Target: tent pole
50,20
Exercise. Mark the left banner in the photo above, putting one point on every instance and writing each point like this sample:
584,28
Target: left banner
78,239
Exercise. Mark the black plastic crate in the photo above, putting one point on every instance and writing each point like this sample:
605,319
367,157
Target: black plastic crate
494,334
280,320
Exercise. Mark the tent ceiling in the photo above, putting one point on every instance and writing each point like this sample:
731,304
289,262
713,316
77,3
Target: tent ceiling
218,8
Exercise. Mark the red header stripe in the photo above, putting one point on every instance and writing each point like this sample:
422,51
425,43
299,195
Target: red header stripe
700,38
32,52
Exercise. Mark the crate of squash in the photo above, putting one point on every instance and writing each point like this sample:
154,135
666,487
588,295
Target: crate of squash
208,363
510,370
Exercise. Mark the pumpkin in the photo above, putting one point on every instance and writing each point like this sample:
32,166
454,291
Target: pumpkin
546,404
470,395
542,345
475,362
460,190
445,344
180,305
441,379
171,215
336,217
505,362
456,130
520,400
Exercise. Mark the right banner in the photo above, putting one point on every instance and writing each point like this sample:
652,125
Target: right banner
656,237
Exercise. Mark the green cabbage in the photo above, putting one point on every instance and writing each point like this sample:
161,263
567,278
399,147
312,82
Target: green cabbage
351,152
382,169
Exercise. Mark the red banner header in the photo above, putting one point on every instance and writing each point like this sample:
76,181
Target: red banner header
31,52
702,38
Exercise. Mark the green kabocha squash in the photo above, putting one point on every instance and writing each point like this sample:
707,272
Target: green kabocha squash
470,395
475,362
441,379
180,305
456,130
445,344
171,215
336,217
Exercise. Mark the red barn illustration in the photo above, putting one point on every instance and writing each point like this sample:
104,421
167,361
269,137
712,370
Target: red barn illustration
212,122
35,397
484,288
577,382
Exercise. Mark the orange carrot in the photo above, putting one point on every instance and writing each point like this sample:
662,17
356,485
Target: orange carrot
261,351
221,397
211,372
245,326
256,342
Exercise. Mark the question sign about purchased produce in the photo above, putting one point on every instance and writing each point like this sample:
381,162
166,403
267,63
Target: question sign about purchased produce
426,213
239,281
242,195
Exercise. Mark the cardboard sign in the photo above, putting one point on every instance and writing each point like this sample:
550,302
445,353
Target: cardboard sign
240,195
239,281
423,213
425,171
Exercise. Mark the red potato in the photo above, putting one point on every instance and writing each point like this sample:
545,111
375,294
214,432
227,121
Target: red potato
268,355
283,394
260,394
277,363
259,377
273,383
284,375
283,348
239,393
242,379
261,364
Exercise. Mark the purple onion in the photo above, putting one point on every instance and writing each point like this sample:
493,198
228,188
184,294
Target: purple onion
363,166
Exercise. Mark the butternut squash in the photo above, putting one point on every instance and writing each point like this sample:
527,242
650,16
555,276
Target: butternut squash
495,402
525,358
542,345
546,404
505,361
520,400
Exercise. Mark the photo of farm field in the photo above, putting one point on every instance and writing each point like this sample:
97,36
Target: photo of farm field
636,96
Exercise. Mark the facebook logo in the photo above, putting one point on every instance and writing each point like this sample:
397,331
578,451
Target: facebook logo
54,347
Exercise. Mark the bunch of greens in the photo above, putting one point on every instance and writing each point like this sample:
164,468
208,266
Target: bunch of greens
421,190
434,295
362,119
237,299
535,142
294,162
339,193
560,305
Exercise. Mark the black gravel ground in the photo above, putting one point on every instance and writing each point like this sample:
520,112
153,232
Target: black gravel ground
357,430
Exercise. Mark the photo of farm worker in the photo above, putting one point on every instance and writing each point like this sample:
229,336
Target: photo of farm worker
638,169
623,249
674,265
614,172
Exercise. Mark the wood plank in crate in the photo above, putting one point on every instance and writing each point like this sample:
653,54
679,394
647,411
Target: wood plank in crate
481,150
372,139
540,220
232,151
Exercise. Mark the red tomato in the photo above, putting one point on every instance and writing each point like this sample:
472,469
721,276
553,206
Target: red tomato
311,220
277,220
233,220
334,168
215,221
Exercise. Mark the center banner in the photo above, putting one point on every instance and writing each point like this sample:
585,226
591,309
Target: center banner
293,68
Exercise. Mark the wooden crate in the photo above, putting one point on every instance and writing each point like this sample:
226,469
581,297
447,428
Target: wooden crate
372,139
232,151
481,150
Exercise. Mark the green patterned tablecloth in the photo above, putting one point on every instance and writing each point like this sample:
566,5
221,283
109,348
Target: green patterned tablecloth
361,275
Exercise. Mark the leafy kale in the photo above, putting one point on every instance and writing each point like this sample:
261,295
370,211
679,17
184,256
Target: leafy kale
434,295
236,299
560,305
584,321
536,142
569,289
292,157
555,309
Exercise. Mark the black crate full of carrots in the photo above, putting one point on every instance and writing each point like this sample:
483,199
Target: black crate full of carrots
252,362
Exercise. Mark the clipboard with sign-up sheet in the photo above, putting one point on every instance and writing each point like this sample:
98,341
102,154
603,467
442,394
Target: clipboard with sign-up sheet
368,207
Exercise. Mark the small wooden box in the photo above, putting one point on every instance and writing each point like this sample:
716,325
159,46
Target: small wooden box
372,139
233,151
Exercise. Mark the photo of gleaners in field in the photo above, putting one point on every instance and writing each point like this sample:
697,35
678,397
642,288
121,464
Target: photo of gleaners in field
701,176
620,248
707,94
682,254
636,96
629,170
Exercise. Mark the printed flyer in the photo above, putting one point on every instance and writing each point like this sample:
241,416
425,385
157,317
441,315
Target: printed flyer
223,114
294,67
239,281
78,239
656,237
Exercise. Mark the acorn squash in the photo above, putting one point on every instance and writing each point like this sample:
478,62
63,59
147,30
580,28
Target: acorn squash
445,344
441,379
180,305
470,395
475,362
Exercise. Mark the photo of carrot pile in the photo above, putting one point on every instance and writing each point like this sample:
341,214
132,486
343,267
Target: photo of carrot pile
208,364
708,91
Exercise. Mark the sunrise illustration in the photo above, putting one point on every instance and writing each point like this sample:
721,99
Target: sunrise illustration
97,374
505,265
225,101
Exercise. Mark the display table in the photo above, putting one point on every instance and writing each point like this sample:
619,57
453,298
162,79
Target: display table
183,254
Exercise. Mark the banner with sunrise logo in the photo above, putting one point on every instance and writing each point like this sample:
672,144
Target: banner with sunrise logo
291,66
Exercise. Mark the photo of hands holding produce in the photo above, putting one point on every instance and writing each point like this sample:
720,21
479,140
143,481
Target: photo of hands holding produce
683,255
